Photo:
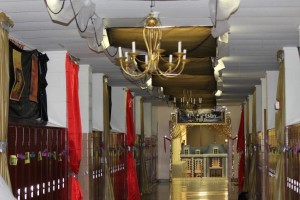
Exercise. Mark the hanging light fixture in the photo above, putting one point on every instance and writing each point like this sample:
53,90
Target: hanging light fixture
188,102
135,67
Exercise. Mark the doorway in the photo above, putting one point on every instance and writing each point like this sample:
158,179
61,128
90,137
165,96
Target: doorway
201,150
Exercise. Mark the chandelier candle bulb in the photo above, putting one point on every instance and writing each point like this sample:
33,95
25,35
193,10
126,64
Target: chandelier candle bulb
146,59
126,56
174,99
200,100
120,52
184,55
133,46
170,58
179,46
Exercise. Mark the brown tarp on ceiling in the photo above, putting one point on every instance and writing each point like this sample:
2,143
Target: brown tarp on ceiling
197,40
198,74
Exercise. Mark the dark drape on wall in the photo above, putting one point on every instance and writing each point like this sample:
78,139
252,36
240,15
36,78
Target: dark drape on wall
27,86
43,59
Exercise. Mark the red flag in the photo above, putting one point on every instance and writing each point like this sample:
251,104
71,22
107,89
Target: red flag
133,192
74,123
241,172
241,136
240,149
129,119
76,193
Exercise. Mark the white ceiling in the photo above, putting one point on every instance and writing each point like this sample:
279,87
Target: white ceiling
258,29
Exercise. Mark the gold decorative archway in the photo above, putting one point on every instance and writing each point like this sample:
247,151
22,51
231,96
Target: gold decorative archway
179,130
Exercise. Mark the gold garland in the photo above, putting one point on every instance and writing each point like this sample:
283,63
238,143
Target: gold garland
177,129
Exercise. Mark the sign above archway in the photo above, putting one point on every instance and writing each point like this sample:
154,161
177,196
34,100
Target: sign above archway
201,116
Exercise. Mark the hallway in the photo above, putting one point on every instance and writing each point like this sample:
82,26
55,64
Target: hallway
194,188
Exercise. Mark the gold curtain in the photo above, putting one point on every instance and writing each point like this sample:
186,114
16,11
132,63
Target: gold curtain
279,183
247,167
145,181
247,117
109,191
254,113
4,93
253,155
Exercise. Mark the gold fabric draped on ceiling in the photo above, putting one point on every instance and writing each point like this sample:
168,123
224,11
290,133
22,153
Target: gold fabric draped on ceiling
4,93
279,182
108,191
198,75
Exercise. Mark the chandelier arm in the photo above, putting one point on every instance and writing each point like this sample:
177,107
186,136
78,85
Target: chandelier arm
171,69
139,60
181,70
171,74
124,66
132,75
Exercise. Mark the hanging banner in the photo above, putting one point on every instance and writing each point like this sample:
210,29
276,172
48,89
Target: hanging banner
201,116
27,86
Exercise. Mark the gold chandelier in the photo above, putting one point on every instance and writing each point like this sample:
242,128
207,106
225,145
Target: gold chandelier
188,102
137,66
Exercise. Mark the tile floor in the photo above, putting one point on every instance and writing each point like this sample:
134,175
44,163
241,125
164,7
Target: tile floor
194,189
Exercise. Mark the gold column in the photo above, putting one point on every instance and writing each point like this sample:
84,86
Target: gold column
145,181
109,191
279,183
4,94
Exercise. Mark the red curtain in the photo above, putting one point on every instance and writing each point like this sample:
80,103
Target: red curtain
241,136
133,192
240,149
74,124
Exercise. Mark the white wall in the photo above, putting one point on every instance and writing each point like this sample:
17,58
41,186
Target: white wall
163,165
85,97
118,109
56,89
264,100
250,102
97,101
147,119
137,114
154,120
235,113
272,80
292,83
259,117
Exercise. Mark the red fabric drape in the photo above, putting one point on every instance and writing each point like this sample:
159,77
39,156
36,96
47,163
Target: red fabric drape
74,124
76,192
133,192
241,136
129,119
240,149
241,172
